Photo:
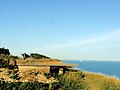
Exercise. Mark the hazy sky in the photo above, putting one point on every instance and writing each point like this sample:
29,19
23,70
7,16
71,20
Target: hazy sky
64,29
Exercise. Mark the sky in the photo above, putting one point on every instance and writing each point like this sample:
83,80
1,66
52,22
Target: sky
63,29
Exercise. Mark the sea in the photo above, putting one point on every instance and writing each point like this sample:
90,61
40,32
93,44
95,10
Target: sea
111,68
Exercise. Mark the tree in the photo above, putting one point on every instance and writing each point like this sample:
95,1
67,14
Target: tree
24,55
38,56
4,51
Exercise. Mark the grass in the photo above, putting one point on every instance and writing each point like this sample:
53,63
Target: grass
97,81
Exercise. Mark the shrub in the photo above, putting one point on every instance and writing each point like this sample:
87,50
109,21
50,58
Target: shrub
11,57
38,56
24,55
4,63
72,81
47,75
14,75
4,51
23,86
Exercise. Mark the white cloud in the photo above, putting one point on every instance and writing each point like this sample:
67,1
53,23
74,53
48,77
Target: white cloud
113,35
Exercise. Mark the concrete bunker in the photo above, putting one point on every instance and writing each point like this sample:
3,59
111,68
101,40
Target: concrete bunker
47,68
58,69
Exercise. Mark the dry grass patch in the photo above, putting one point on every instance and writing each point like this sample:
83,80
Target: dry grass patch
102,82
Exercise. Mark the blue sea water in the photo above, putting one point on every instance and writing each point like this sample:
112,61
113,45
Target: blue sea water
111,68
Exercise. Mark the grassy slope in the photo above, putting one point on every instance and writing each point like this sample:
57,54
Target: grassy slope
94,81
101,82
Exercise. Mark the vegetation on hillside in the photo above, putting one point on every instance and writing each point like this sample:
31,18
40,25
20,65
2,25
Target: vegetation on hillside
71,80
4,51
68,81
7,60
101,82
38,56
23,86
34,56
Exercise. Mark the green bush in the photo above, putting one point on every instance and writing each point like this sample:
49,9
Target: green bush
4,63
47,75
13,57
14,75
72,81
23,86
25,56
68,81
38,56
4,51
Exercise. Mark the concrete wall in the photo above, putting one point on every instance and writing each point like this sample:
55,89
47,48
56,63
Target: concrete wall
45,69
